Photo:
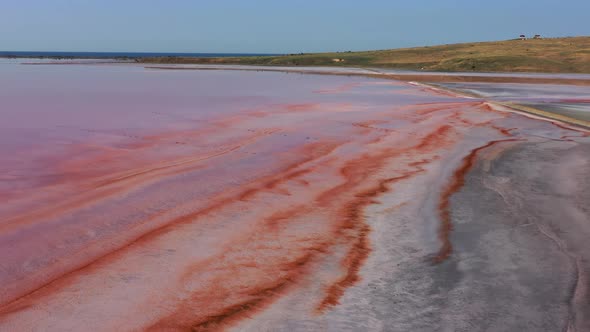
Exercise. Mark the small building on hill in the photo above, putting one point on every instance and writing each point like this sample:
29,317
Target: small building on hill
522,37
537,37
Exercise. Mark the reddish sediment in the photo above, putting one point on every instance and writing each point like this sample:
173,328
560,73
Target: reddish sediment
353,212
277,192
359,252
350,229
457,181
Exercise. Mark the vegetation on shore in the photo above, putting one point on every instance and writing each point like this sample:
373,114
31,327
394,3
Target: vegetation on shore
553,55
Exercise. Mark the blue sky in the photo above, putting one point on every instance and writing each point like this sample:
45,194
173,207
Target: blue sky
277,26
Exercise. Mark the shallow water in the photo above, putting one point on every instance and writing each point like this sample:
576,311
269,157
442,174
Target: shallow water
571,101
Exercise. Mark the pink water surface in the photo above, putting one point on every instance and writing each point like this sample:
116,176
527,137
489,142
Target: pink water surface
156,199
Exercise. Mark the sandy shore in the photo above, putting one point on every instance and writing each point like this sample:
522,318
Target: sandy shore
431,77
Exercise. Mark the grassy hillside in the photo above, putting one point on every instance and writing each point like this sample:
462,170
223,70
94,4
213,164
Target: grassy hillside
566,55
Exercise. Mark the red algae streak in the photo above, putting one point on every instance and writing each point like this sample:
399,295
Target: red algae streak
151,200
444,207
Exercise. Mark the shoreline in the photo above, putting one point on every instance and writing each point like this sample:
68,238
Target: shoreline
528,111
433,77
582,79
548,55
425,79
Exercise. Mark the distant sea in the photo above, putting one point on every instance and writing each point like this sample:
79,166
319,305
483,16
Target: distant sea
110,55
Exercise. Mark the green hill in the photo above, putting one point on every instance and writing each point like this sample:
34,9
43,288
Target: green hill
564,55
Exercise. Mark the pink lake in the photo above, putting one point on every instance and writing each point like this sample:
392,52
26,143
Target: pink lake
146,199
